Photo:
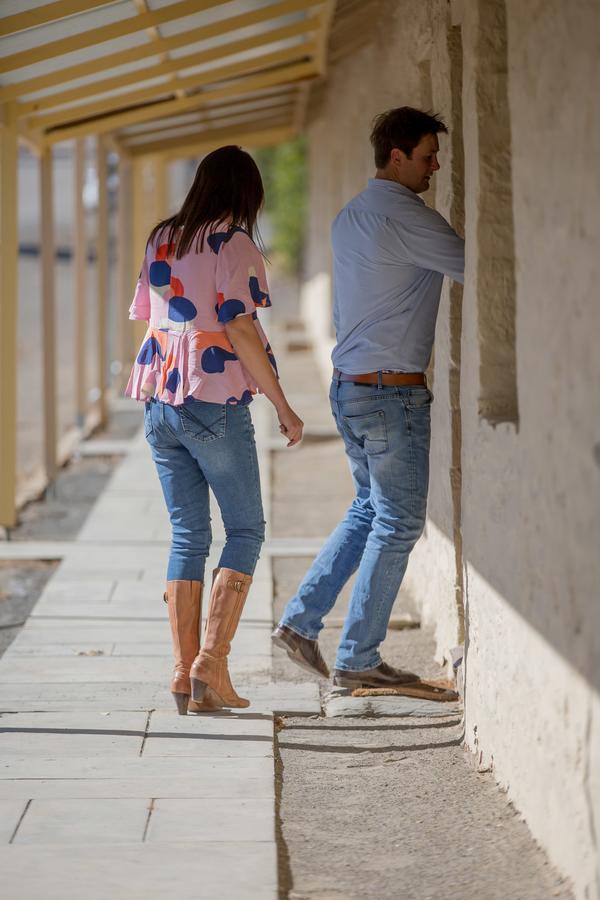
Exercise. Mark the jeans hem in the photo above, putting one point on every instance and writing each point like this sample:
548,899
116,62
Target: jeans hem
343,668
297,631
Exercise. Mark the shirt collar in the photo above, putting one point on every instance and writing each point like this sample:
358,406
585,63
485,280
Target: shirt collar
392,187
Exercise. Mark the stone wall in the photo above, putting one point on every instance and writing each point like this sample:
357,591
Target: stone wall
514,501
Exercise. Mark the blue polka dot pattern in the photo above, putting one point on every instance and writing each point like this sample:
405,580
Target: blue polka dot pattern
214,359
181,309
160,273
173,380
244,400
148,351
230,309
218,238
260,297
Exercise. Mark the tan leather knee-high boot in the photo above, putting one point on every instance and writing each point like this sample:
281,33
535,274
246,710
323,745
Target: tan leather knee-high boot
209,669
184,599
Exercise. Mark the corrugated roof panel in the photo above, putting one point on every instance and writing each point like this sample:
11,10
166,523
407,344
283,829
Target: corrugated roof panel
63,28
74,57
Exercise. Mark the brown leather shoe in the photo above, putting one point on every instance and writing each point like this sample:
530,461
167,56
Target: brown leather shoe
380,677
301,650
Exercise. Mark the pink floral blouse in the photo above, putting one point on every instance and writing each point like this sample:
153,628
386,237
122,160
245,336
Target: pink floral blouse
186,302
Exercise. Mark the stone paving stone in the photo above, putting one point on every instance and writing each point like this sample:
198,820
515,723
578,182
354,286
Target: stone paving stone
211,820
71,734
77,821
343,704
205,871
11,810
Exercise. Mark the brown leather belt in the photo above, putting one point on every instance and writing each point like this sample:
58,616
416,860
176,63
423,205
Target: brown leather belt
387,378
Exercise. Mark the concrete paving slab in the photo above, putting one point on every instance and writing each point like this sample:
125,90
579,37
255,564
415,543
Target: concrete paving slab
11,810
197,784
79,648
207,871
196,820
106,611
104,697
19,670
339,704
81,821
209,735
43,630
223,771
67,734
78,591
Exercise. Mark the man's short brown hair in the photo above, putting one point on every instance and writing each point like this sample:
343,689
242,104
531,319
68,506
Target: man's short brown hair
402,128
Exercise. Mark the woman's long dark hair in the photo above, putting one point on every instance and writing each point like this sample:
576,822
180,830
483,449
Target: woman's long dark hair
227,186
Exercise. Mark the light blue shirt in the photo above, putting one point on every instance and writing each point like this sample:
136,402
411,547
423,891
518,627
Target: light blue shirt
390,255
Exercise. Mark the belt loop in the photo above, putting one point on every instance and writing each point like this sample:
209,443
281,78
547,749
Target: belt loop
379,380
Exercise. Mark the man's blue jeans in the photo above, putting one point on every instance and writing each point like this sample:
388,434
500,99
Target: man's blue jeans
386,432
197,446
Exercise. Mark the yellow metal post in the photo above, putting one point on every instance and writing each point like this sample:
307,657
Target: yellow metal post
79,267
8,314
48,312
102,277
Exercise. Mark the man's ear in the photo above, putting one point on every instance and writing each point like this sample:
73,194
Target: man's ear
397,155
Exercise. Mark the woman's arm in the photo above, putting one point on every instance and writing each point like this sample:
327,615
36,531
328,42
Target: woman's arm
251,353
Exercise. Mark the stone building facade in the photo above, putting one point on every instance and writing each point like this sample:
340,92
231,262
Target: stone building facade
508,564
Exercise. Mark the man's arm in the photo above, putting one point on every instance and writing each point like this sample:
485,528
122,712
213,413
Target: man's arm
431,243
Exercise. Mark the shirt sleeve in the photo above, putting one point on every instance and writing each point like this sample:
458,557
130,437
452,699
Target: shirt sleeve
140,307
432,244
241,280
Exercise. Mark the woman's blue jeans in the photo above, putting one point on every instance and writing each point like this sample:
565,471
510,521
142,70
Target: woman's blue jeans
194,447
386,432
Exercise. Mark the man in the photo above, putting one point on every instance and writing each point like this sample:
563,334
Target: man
390,254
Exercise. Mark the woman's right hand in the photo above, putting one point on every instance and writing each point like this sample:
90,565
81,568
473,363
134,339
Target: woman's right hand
290,425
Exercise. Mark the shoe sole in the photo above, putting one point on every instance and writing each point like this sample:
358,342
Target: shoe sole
348,683
296,657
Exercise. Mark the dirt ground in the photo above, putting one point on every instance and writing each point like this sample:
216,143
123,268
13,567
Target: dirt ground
379,808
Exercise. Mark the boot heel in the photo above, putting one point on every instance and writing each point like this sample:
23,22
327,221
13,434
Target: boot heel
181,701
198,690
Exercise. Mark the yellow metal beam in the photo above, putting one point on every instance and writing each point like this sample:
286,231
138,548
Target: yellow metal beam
134,54
8,314
96,36
41,15
211,138
306,26
126,101
288,74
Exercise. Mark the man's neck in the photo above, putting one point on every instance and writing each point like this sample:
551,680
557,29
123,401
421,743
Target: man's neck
385,175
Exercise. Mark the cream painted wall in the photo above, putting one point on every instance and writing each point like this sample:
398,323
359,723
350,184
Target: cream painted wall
525,499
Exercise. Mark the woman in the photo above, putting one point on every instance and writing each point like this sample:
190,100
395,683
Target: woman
203,358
